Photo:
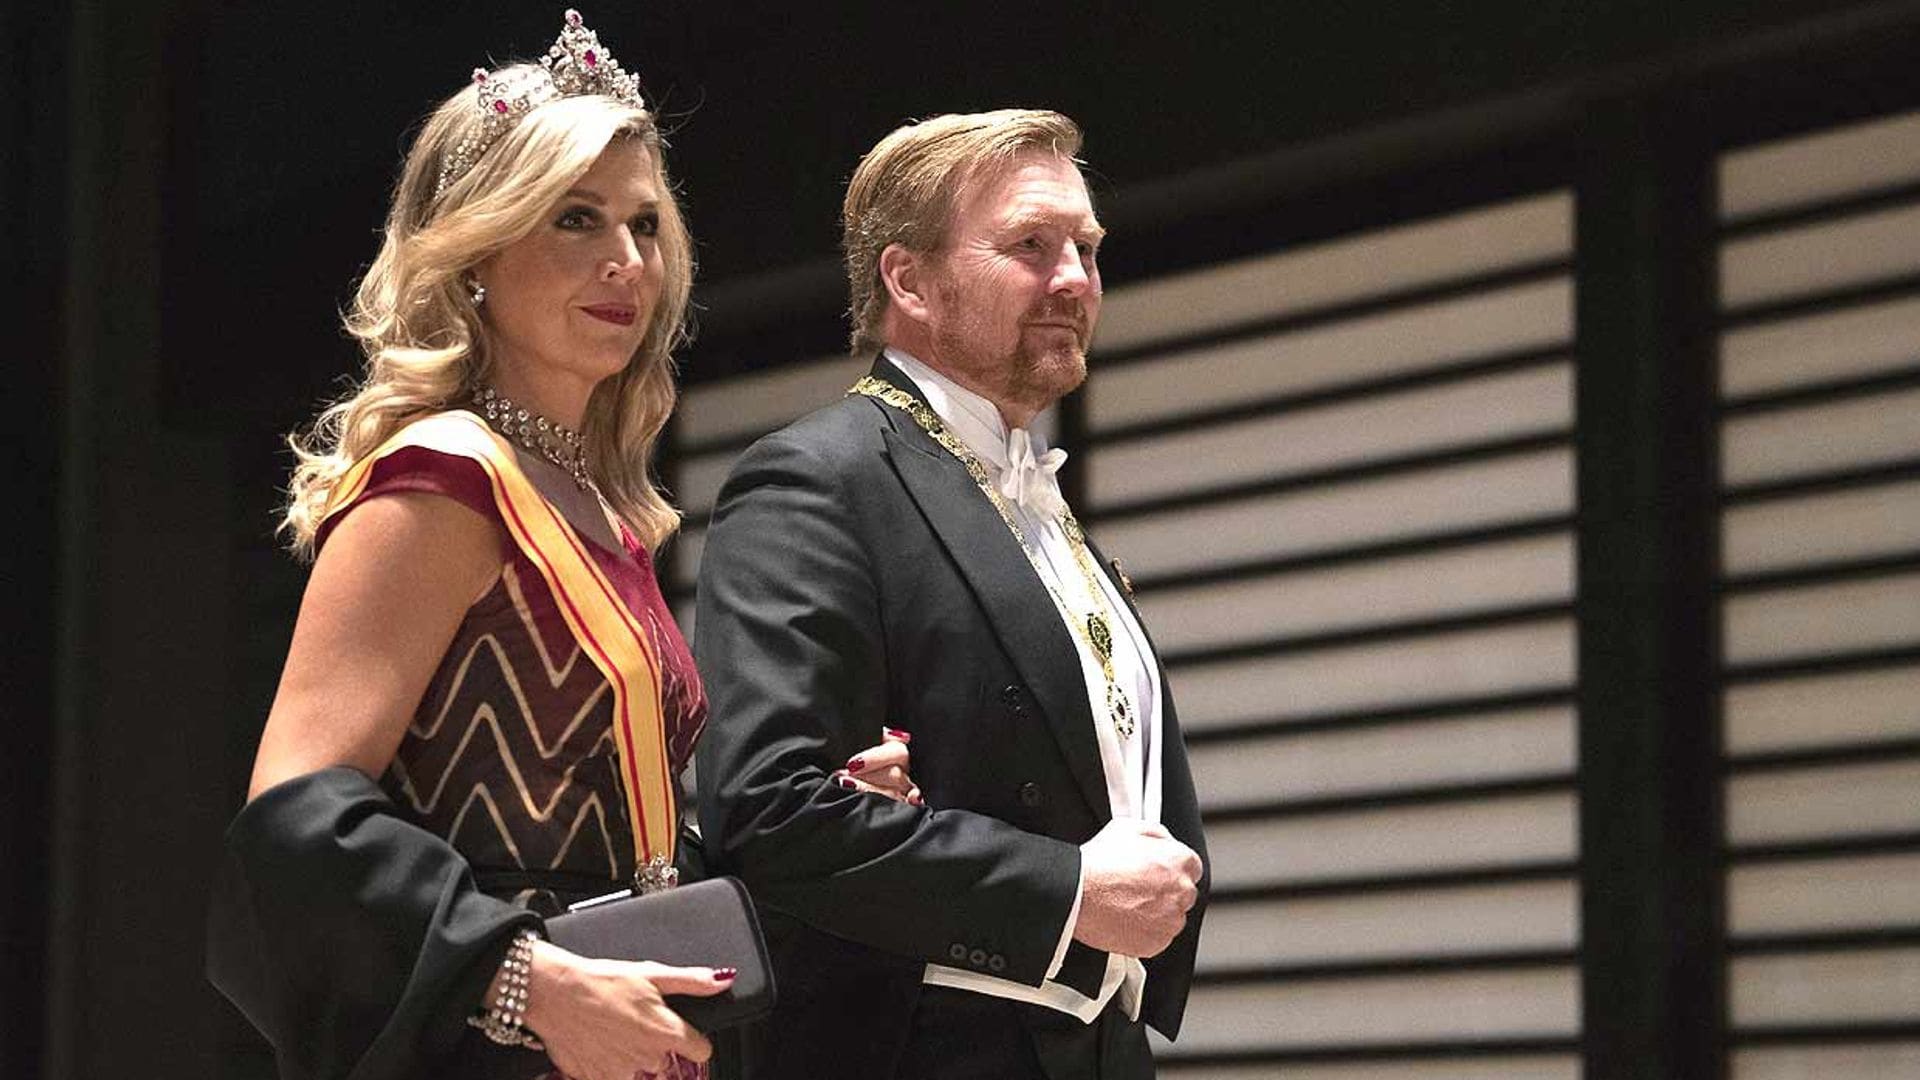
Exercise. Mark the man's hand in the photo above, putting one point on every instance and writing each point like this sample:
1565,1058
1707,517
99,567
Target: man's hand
1137,883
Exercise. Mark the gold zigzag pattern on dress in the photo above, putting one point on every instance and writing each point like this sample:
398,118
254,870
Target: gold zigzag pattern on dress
484,716
511,680
599,812
481,795
592,809
556,674
517,741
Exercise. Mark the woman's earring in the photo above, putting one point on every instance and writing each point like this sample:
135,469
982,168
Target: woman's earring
477,291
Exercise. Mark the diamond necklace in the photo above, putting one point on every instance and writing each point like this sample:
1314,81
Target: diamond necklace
560,445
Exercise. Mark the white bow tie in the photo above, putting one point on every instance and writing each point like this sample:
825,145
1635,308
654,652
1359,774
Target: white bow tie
1028,480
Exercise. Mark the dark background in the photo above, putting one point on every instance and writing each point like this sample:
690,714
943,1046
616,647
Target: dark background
190,189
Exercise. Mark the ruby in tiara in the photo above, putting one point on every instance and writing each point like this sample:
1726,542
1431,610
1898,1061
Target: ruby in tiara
576,64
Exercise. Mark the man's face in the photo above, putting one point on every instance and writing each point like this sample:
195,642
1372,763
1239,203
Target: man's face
1014,294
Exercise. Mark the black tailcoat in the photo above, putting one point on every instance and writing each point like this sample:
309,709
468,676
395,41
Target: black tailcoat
855,576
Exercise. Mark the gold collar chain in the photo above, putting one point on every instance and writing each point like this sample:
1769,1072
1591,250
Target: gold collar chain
1094,628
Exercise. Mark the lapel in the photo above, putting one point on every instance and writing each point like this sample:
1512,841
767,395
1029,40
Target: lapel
1018,607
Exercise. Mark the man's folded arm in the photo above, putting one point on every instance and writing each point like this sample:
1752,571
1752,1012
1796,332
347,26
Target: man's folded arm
789,641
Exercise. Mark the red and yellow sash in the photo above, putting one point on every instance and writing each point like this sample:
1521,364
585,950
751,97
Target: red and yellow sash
602,625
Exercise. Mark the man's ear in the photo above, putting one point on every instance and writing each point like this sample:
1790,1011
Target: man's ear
902,274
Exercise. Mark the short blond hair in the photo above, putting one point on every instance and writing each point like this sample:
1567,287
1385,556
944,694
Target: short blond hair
426,346
907,190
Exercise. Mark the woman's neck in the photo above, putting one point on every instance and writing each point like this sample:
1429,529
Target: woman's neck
559,398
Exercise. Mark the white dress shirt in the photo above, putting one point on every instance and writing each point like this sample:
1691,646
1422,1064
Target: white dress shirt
1131,764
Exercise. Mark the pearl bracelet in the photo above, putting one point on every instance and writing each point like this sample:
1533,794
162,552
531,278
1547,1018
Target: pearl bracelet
503,1023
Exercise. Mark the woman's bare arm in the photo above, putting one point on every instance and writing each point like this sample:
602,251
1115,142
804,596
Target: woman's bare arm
386,596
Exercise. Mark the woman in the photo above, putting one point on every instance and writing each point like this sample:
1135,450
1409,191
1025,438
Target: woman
482,629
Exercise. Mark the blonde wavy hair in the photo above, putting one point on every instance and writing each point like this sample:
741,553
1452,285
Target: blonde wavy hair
907,190
426,345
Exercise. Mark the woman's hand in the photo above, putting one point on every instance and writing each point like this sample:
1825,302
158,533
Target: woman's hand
882,769
606,1020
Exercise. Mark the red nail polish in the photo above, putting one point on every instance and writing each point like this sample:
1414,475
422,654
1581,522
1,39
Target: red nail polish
726,974
896,733
856,764
846,782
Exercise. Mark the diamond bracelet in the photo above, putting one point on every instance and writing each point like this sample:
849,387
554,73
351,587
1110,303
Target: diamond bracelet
504,1022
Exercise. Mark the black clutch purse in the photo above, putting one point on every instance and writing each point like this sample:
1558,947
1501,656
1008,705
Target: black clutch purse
708,923
705,924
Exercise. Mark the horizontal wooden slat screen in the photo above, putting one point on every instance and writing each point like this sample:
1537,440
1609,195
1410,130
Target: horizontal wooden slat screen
1420,507
1900,1059
1341,477
1530,1067
1810,895
1826,987
1386,1010
1797,261
1516,320
1809,169
1821,438
737,410
1820,552
1478,748
1860,340
1834,709
1356,845
1306,440
1420,254
1856,523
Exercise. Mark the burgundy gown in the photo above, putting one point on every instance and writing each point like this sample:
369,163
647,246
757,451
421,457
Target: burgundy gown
511,755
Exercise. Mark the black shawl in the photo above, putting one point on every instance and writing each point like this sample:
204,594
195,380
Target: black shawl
356,942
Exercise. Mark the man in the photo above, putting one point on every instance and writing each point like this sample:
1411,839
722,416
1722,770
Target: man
903,557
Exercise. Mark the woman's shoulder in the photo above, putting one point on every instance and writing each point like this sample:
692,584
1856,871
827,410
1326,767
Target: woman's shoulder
420,466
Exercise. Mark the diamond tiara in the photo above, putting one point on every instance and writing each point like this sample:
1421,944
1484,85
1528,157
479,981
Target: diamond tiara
575,65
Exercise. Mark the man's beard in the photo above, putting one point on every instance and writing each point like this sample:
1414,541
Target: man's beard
1047,373
1042,369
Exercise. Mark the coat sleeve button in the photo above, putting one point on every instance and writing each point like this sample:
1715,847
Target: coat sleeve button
957,951
978,958
996,963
